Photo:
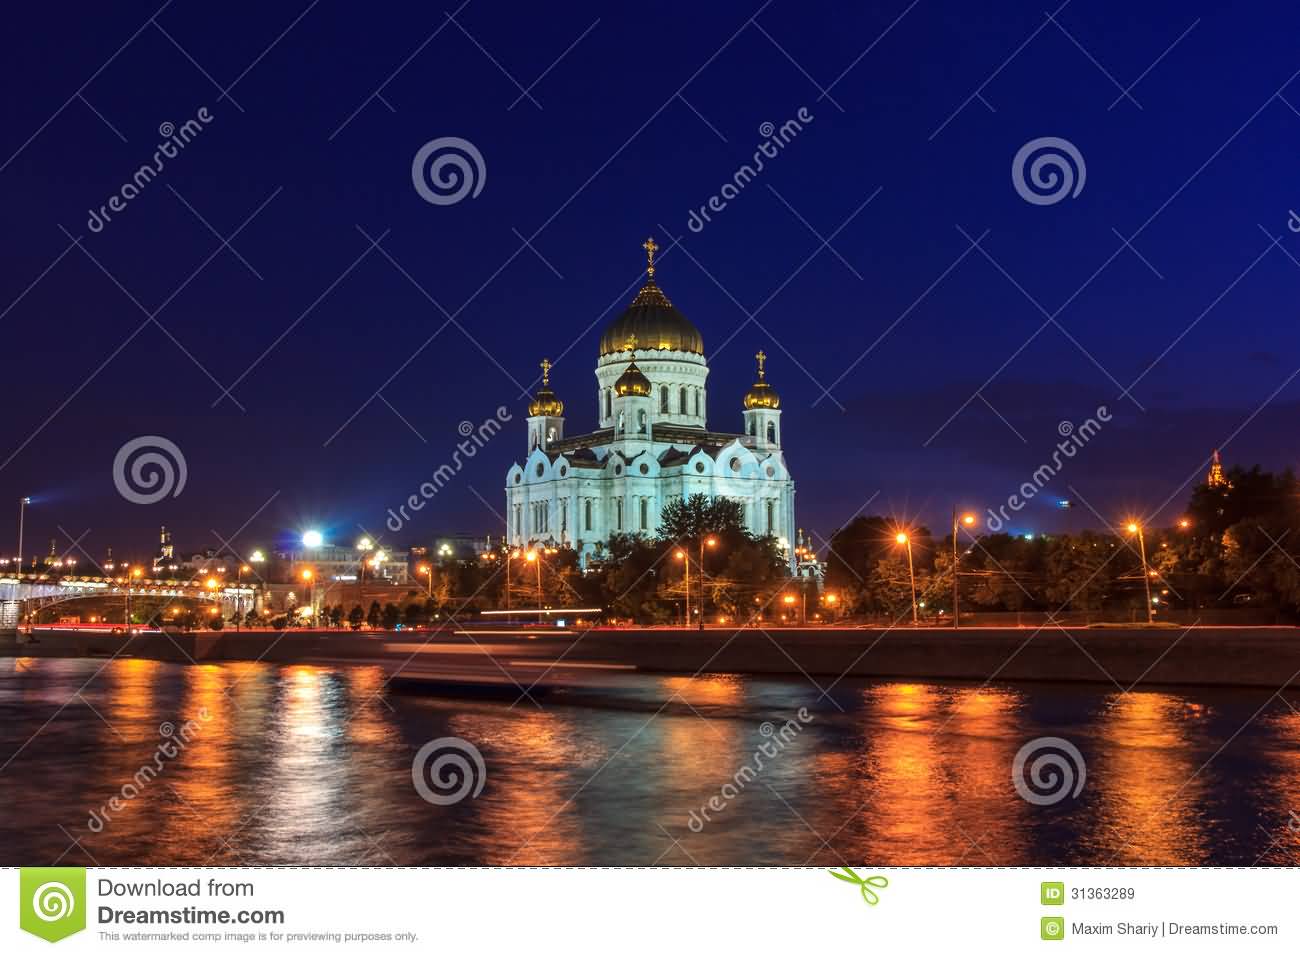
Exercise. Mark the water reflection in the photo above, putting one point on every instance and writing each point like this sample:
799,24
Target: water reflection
312,765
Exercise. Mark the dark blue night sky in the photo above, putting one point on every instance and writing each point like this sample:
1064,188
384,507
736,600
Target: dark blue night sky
635,115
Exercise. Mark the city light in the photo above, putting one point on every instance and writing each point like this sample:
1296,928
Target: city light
257,557
901,538
312,539
306,574
365,544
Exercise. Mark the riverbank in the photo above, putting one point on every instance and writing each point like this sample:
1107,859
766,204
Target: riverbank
1210,656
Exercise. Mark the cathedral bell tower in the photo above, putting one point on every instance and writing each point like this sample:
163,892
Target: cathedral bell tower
545,414
763,411
633,404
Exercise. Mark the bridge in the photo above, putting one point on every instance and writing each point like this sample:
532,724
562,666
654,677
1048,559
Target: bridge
21,595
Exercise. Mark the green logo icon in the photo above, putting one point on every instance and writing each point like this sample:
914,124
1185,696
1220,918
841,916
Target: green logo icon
1052,927
52,901
866,885
1052,894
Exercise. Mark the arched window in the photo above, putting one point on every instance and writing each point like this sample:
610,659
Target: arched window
663,399
641,422
697,402
609,403
771,433
586,514
681,399
645,514
753,427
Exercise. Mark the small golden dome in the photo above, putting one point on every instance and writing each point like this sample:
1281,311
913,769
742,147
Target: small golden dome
761,394
632,382
546,401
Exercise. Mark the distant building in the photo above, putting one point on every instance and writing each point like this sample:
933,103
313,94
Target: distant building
1216,477
458,547
334,563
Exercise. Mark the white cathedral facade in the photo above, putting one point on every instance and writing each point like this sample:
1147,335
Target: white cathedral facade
652,443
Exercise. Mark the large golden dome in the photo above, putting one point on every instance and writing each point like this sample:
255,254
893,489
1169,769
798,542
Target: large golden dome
652,321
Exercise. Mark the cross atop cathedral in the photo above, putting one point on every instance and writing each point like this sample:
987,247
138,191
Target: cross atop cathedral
546,371
650,247
762,357
630,345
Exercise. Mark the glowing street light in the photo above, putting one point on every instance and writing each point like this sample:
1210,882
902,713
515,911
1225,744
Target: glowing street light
681,556
257,557
427,571
903,538
312,539
968,521
1135,528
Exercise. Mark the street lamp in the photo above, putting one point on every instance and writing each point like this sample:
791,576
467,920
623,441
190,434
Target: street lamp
427,571
902,538
968,520
136,573
312,539
712,542
364,545
239,594
1135,528
681,556
310,580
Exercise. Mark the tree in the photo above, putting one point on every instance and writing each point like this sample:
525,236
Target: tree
413,615
374,616
690,518
356,616
392,614
336,615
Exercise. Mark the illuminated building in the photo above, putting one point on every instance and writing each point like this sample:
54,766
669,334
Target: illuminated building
652,443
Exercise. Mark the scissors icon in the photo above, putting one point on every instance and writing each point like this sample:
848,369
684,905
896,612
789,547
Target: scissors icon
863,884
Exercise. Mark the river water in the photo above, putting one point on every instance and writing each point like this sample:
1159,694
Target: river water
313,765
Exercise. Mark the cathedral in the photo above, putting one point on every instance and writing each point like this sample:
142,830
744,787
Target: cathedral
651,444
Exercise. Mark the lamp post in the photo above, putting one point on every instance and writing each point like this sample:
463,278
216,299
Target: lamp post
133,573
239,595
22,509
1135,528
712,542
310,580
686,562
904,539
427,571
968,520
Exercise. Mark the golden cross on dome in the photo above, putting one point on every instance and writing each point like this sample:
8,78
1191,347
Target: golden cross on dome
650,247
762,357
630,345
546,371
